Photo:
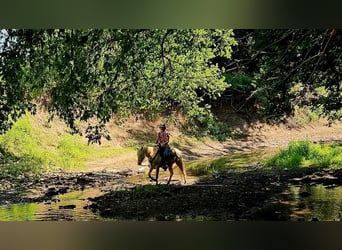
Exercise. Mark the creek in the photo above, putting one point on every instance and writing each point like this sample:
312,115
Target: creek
65,207
304,201
322,203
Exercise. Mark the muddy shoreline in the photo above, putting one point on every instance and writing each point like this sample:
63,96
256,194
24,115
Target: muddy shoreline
47,186
254,194
245,193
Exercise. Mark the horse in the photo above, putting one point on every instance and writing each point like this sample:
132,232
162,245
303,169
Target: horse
154,159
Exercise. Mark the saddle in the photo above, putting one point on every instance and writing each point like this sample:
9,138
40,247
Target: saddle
171,157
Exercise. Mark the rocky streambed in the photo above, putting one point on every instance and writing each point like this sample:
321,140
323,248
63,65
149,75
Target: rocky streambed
249,193
244,193
46,186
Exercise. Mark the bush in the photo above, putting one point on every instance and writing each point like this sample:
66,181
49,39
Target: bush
26,148
72,152
207,125
20,150
304,153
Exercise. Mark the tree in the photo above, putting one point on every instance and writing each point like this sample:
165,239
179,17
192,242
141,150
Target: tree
80,74
274,70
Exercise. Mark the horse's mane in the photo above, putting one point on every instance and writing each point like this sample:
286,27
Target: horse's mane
149,150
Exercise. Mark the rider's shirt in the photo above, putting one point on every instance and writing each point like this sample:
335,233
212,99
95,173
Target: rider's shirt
163,137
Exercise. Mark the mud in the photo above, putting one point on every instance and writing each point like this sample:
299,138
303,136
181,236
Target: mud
245,193
47,186
250,193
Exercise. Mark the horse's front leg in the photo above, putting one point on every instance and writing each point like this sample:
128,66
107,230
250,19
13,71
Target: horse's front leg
157,173
149,174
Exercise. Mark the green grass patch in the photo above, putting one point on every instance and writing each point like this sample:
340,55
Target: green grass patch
33,147
305,153
201,168
20,150
72,152
235,161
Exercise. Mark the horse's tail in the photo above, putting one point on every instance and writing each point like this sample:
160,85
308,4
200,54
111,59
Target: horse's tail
180,162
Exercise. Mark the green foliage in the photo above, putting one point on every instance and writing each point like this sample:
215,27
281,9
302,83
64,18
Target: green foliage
12,166
277,61
304,153
239,81
25,148
214,128
79,74
21,150
72,152
304,115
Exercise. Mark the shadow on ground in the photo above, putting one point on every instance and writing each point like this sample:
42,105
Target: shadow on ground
250,193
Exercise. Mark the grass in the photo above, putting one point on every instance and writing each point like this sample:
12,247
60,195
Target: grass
35,146
31,146
305,153
297,154
20,150
71,152
238,160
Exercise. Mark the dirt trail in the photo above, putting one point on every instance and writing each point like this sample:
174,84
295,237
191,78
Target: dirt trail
253,194
259,137
122,170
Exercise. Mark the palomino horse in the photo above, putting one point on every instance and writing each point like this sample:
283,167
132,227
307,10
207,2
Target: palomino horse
155,161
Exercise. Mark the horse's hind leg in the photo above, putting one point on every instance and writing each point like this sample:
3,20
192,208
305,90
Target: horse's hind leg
183,175
182,170
171,174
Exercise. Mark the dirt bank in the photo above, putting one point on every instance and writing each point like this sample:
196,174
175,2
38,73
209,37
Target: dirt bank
258,136
253,194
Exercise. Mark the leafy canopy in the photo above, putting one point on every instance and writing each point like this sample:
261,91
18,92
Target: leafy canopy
277,70
80,74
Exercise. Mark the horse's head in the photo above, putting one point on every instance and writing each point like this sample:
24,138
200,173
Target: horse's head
141,155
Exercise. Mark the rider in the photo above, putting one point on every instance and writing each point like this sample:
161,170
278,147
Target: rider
163,143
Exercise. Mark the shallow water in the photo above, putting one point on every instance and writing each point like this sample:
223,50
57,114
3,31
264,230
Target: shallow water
319,202
315,202
54,210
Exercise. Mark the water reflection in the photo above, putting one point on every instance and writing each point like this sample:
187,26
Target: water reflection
317,202
54,210
307,202
19,212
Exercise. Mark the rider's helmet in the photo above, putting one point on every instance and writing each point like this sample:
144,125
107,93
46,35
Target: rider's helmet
162,125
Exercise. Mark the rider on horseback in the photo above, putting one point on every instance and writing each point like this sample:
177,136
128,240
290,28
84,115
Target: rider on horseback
163,144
